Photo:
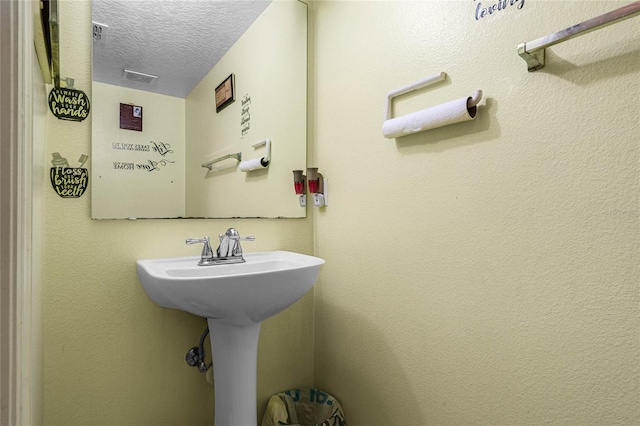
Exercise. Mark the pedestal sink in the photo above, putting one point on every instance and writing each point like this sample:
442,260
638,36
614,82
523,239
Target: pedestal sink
235,299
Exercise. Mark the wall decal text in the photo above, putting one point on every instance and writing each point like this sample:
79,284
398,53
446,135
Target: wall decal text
147,165
245,115
483,10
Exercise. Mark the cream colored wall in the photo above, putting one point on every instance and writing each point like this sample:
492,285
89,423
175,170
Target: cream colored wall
484,273
112,357
40,112
479,274
269,63
137,192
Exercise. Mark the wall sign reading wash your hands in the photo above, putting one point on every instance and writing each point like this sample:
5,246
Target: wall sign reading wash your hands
69,104
483,10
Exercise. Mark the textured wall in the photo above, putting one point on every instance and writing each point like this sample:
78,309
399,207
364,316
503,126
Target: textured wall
112,357
480,274
485,273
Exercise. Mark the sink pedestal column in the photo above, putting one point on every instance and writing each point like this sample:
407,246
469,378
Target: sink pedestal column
234,351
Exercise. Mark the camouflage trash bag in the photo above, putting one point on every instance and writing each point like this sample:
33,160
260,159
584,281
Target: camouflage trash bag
303,407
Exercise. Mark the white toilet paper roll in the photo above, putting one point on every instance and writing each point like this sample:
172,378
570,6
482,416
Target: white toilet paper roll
255,164
452,112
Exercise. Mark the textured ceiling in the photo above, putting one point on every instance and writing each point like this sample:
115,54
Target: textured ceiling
177,40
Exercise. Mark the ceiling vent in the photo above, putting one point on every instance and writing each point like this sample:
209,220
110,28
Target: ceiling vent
139,77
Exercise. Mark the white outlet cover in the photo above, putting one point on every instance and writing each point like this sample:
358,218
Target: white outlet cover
100,33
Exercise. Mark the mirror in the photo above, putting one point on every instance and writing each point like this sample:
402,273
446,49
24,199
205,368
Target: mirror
184,95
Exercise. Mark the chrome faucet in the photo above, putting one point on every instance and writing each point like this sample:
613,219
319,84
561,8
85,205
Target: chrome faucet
229,250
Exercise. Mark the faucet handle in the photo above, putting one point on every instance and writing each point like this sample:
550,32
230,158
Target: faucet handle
207,252
196,240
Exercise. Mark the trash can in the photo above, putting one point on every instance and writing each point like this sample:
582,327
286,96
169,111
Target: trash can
303,407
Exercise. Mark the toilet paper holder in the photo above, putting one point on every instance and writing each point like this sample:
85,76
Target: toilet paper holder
453,112
420,84
260,162
267,142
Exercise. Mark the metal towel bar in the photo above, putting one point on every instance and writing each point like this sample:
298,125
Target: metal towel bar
236,155
533,52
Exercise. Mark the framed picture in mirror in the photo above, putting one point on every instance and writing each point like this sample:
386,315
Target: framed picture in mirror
225,93
131,117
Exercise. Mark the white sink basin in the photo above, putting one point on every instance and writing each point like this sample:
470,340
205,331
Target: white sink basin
234,298
238,294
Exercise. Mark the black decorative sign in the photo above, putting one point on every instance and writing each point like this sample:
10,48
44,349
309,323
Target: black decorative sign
69,104
69,182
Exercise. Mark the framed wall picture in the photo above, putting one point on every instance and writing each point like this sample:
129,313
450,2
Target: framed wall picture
131,117
225,93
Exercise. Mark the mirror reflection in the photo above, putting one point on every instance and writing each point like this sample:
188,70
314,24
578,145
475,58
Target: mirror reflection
184,96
